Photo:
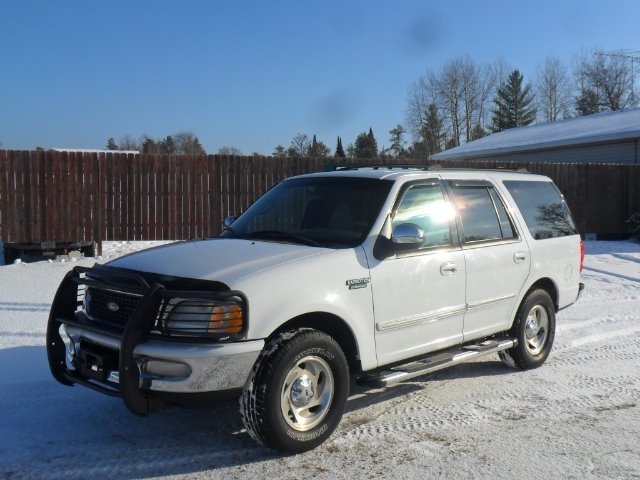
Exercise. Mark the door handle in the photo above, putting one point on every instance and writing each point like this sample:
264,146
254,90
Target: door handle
519,257
448,268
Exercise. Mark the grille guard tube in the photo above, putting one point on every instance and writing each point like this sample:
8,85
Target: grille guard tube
64,306
140,322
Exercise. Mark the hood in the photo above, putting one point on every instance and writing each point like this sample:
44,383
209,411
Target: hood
223,260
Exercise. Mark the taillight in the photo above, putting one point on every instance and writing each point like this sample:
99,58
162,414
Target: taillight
581,255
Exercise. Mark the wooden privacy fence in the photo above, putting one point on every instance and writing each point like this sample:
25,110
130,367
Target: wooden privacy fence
62,196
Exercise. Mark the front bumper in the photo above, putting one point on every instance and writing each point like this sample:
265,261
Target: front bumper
130,363
177,367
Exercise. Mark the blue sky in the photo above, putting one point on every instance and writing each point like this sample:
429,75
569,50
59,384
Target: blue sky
253,74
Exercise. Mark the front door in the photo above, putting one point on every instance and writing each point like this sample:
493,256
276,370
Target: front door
419,297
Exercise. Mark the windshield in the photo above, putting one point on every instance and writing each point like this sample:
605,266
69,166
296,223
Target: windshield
316,211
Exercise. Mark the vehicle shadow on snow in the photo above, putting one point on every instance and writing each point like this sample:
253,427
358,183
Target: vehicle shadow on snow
106,440
364,396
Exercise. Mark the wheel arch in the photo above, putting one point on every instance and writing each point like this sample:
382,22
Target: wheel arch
548,285
332,325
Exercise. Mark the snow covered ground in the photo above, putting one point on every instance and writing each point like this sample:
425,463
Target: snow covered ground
578,416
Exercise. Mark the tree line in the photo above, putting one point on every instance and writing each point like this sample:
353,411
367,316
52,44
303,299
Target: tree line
460,102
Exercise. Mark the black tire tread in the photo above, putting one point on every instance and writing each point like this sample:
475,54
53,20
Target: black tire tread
516,357
252,405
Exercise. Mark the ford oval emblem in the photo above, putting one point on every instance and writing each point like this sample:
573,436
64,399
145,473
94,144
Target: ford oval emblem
113,306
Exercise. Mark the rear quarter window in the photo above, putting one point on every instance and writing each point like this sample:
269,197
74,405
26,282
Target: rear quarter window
543,208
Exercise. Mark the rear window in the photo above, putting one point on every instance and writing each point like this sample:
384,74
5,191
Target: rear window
482,214
543,209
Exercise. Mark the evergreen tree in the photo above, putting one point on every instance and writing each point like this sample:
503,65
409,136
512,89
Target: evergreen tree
149,145
111,144
432,131
318,149
198,149
587,102
514,105
351,151
365,146
339,150
397,143
168,145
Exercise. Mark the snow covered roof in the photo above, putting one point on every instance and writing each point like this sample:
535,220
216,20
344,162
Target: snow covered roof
91,150
596,128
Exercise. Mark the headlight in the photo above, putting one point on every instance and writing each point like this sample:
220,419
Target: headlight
202,317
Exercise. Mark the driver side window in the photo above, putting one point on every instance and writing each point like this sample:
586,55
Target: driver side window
425,206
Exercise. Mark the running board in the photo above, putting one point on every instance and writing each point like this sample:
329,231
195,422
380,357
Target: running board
436,361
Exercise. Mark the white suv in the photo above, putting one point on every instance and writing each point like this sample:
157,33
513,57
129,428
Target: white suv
382,273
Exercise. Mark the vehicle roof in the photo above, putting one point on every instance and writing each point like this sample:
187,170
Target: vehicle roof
395,173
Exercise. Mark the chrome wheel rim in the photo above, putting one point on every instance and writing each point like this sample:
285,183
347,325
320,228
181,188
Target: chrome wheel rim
536,330
307,393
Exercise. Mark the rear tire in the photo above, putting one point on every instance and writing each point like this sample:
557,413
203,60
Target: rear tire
534,328
296,393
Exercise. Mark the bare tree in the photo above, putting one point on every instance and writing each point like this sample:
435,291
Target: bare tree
470,73
187,143
420,96
460,93
299,145
229,151
450,90
129,143
606,79
553,90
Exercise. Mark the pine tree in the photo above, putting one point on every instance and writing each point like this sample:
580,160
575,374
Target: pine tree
111,144
198,149
168,145
149,145
373,144
433,131
339,150
514,105
318,149
587,103
397,143
365,146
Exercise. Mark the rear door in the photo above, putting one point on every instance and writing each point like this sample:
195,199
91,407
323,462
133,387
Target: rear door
496,256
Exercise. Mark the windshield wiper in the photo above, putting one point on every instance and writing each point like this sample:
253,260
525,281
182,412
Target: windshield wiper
280,235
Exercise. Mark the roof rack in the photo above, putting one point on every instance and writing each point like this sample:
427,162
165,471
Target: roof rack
434,167
384,166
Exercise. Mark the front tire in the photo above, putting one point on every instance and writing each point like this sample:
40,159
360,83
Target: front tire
297,391
534,328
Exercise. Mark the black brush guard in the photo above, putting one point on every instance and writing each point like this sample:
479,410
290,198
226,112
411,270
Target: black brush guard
65,311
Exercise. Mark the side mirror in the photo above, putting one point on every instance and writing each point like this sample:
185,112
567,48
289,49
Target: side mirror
407,236
229,220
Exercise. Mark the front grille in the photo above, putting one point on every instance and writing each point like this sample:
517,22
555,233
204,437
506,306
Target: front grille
110,307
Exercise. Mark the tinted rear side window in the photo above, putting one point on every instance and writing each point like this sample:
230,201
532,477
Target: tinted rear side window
477,214
543,209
